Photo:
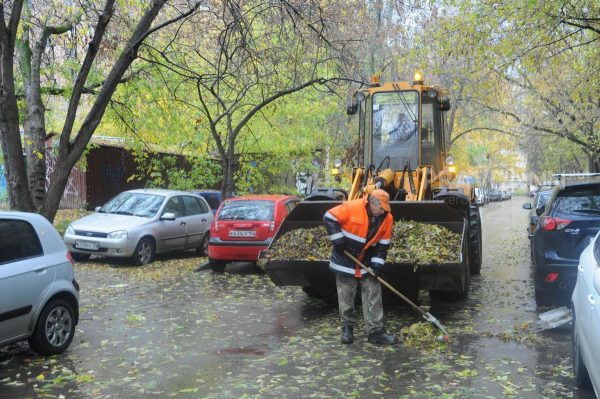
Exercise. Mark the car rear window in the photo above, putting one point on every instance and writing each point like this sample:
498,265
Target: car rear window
580,201
247,210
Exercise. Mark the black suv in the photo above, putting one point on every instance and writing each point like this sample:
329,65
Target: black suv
566,224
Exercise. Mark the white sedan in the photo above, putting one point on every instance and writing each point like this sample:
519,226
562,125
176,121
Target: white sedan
586,318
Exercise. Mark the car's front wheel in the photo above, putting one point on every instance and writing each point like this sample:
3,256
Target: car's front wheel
582,378
144,252
54,328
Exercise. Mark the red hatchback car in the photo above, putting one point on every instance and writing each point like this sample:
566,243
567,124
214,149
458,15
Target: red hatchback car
244,226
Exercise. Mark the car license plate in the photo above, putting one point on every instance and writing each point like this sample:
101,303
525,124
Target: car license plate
92,246
242,233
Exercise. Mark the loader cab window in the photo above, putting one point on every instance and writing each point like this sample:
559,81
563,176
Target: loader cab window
431,134
395,121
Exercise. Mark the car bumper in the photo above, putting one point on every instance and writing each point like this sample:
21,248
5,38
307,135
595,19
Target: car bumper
236,250
118,247
563,285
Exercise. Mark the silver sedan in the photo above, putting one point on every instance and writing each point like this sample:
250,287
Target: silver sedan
139,224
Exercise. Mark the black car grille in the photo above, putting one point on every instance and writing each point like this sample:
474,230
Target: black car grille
90,234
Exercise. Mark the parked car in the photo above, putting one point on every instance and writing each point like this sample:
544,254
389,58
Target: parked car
540,199
495,195
569,219
39,297
138,224
585,306
480,196
244,226
213,197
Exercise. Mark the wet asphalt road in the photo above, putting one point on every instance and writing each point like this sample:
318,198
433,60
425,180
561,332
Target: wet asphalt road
203,335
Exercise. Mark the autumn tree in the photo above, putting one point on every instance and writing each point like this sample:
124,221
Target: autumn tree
239,57
112,36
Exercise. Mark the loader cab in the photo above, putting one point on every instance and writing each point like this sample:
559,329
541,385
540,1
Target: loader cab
403,122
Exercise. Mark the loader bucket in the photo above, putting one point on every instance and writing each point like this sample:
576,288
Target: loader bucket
316,279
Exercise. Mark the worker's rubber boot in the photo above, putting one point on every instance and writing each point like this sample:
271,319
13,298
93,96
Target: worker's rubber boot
347,334
382,337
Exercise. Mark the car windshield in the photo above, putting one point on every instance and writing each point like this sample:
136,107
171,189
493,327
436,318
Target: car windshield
135,204
579,200
395,121
247,210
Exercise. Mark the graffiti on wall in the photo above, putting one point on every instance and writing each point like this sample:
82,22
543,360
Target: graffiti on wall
74,195
3,189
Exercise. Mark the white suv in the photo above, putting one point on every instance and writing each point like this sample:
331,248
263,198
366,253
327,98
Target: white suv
39,297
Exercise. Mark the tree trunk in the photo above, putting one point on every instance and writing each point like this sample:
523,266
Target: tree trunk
35,135
594,163
12,149
228,172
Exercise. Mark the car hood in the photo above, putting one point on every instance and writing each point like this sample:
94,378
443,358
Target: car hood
108,222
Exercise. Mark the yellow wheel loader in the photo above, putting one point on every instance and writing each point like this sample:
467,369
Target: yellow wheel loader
403,151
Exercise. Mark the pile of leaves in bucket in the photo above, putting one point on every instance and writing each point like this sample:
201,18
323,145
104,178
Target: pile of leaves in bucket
422,335
305,244
412,242
422,243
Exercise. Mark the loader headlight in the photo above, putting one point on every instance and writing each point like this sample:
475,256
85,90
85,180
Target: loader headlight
418,78
450,160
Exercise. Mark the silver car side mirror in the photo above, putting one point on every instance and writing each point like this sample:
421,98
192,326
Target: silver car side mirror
168,216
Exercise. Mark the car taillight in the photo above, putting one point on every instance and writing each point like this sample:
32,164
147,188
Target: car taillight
272,226
551,277
549,223
70,258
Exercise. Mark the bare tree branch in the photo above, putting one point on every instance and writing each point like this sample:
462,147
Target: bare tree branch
84,71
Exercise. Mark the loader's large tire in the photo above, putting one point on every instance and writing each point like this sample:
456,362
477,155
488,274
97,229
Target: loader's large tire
475,252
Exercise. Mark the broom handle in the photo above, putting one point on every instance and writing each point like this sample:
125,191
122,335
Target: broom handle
382,281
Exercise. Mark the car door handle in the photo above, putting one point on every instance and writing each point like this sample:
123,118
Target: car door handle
204,220
40,271
592,300
182,223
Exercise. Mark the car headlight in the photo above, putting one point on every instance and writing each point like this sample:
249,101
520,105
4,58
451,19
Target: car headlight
118,234
70,230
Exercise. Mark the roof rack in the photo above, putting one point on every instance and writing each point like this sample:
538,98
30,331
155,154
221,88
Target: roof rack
565,176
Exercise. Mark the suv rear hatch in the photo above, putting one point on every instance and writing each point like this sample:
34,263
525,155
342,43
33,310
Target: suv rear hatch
574,219
245,220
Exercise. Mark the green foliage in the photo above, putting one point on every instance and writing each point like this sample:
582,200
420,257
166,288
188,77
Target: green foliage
161,171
